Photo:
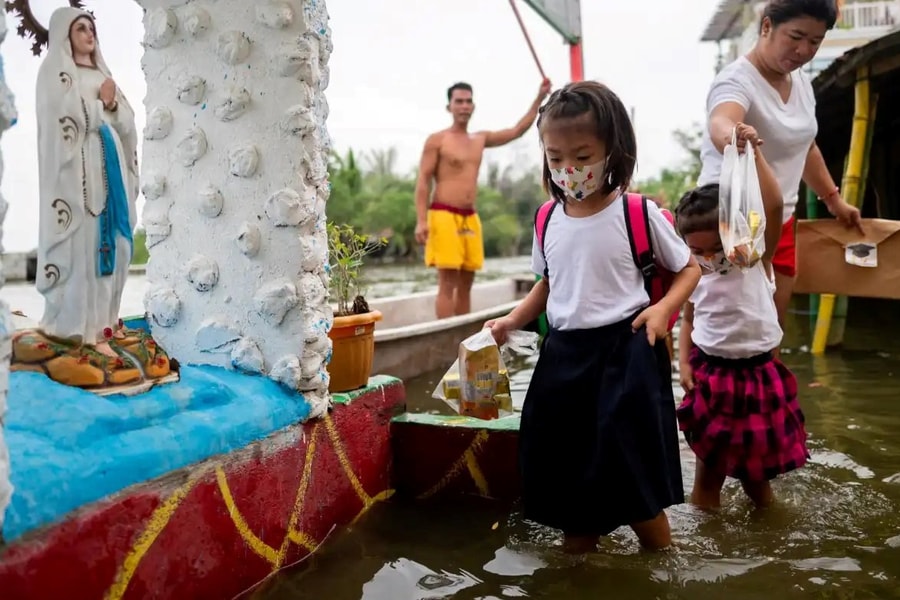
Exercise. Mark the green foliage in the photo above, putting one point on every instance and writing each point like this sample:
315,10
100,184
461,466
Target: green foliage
369,199
372,197
140,255
346,251
368,194
671,183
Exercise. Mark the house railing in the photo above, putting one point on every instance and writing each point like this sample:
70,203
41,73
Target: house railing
869,15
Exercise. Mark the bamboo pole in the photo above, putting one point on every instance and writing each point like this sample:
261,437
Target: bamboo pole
812,212
850,187
842,303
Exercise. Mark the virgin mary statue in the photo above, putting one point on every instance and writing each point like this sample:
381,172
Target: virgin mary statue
87,160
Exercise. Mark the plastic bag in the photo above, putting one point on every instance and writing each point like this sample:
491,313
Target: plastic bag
742,214
477,384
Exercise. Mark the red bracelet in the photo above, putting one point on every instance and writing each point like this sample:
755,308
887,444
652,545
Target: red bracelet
835,192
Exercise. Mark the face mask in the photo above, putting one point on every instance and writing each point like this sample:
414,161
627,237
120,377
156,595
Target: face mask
713,263
579,182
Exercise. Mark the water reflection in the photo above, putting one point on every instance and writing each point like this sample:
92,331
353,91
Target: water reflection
835,532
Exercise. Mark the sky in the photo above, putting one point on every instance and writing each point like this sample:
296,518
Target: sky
393,61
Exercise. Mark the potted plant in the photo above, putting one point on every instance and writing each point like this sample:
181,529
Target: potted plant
353,331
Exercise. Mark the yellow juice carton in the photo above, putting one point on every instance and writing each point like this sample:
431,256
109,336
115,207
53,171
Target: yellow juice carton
479,370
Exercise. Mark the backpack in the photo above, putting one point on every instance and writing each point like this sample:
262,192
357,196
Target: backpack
657,279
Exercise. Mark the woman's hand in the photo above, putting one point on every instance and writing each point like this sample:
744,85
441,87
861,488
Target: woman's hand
846,214
108,93
500,329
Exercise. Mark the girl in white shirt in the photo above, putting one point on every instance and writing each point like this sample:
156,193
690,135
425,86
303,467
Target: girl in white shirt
767,90
598,440
740,413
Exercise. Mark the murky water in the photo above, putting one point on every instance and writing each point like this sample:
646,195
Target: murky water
834,534
381,281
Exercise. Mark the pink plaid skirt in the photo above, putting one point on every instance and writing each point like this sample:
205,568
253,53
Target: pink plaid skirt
742,418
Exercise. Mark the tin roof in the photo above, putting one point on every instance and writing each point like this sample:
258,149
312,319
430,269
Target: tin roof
881,55
727,23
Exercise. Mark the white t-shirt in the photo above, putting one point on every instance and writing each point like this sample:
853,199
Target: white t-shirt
593,278
734,313
788,129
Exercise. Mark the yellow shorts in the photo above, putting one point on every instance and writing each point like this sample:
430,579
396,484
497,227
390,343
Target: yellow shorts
454,241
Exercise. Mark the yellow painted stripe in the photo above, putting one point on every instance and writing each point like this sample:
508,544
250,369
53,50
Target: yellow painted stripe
257,545
345,462
380,497
155,525
292,535
457,467
302,540
476,473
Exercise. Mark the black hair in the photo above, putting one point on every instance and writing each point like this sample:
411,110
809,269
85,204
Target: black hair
461,85
698,210
782,11
611,123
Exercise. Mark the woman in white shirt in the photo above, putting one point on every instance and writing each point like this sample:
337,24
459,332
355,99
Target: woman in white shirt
766,90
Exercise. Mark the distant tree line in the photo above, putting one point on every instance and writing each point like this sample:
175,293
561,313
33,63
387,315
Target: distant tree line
369,193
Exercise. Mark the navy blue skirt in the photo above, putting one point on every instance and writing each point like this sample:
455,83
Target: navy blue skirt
598,444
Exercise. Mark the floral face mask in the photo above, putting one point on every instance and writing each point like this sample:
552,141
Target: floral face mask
579,182
715,263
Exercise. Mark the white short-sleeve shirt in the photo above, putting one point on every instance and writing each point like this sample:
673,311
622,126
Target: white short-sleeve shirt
593,279
788,129
734,313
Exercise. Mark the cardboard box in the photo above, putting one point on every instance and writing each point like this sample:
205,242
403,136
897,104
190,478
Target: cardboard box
834,259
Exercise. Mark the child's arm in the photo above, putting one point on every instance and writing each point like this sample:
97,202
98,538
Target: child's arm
684,335
773,201
656,317
684,347
683,285
531,307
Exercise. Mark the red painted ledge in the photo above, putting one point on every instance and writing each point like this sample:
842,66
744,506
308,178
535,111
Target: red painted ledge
442,456
218,528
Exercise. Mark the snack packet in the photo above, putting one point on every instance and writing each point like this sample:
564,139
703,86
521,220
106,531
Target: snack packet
477,384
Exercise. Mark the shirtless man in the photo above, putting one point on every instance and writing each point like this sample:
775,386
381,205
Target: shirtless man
449,226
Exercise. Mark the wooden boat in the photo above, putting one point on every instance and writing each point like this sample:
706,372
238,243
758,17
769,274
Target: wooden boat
409,341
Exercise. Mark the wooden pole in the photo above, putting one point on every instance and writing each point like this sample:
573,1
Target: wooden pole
842,303
812,212
576,62
850,188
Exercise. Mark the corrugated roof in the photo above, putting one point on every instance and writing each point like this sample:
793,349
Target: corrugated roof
727,23
842,71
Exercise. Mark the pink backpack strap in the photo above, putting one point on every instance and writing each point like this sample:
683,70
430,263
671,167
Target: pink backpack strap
637,222
541,220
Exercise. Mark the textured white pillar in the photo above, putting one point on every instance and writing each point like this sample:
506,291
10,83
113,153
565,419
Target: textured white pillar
235,181
7,120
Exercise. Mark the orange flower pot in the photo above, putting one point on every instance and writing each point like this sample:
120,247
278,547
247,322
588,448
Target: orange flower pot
353,350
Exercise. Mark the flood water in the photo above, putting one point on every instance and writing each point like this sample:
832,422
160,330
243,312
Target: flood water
834,534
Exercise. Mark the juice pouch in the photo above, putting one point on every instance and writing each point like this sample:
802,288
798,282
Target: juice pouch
477,384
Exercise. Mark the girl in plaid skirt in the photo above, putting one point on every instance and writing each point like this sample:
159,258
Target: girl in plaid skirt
740,413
